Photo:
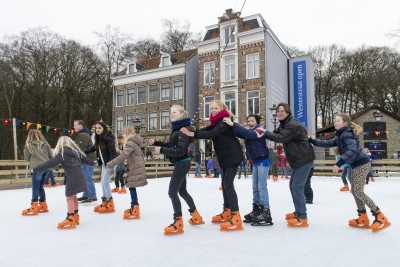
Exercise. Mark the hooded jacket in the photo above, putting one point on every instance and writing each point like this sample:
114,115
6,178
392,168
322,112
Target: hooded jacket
84,141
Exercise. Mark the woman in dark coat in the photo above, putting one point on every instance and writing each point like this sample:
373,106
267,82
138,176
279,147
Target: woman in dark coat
71,159
229,153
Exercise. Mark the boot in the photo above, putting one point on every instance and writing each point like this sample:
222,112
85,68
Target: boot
263,217
176,227
248,218
123,190
43,207
234,224
103,204
362,221
275,178
133,213
116,190
109,207
380,222
196,218
290,216
220,188
68,223
76,218
345,188
296,222
222,217
33,210
47,185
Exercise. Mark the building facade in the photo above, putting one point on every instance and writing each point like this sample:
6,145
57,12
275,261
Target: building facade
148,88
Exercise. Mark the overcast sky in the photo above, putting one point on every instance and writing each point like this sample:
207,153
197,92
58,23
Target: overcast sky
303,24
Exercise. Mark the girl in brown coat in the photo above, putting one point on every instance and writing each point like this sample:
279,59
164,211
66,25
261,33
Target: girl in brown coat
136,170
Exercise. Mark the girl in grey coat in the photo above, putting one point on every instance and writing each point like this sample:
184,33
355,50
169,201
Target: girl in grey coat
71,159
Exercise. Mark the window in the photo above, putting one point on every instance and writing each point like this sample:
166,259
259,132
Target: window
129,119
164,119
164,92
253,102
207,101
132,68
141,95
229,63
178,90
130,97
165,61
119,98
142,118
153,93
120,123
253,66
229,35
152,121
209,72
230,101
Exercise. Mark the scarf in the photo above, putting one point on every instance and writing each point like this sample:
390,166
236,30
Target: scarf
176,125
218,117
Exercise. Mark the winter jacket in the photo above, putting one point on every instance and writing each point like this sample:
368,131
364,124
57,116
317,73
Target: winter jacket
256,146
177,146
72,165
282,160
108,153
37,157
226,145
274,158
294,138
136,171
349,146
215,162
84,141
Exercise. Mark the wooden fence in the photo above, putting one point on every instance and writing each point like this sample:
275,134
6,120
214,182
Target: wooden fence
16,171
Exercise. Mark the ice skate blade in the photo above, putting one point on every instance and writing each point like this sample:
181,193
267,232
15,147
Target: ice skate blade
262,224
388,224
66,227
196,223
174,233
235,228
360,226
298,225
132,218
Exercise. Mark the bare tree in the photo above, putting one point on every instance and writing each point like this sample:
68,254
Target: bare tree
177,36
146,48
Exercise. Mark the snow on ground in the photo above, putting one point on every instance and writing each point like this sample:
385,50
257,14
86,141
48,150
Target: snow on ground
108,240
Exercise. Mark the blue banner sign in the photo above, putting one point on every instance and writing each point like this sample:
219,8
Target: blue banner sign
300,91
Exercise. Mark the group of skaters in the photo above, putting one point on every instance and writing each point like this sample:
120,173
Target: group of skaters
74,157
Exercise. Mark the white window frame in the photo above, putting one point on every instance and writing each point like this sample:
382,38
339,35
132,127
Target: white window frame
152,120
207,106
128,95
165,61
144,98
230,68
142,118
164,115
228,33
180,88
119,98
253,98
253,65
120,123
155,86
209,72
235,100
161,92
129,118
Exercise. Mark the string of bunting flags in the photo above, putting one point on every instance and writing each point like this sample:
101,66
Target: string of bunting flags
38,126
367,133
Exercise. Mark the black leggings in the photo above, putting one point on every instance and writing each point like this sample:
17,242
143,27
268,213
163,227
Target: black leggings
178,185
228,190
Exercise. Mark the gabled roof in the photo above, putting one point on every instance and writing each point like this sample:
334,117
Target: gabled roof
154,63
249,25
211,34
329,127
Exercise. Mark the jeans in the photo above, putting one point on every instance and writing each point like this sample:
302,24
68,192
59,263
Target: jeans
297,184
178,185
105,181
91,189
228,190
346,172
38,179
119,178
51,178
134,197
308,192
260,191
198,169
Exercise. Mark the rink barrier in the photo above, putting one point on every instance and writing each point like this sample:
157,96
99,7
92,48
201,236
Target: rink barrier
16,171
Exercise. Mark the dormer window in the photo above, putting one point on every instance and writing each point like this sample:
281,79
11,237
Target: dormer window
229,35
132,68
165,60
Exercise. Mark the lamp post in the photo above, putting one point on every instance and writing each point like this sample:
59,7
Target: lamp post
274,119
